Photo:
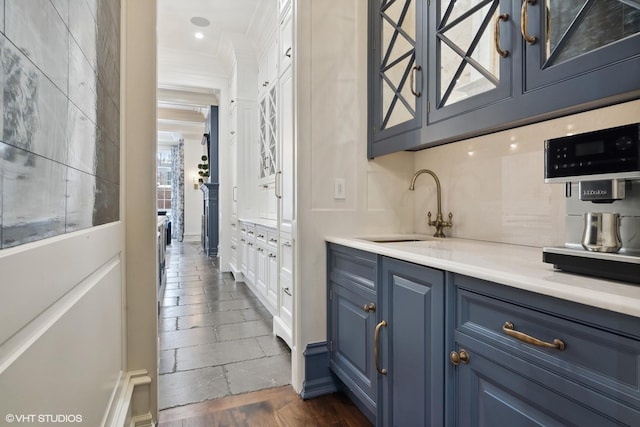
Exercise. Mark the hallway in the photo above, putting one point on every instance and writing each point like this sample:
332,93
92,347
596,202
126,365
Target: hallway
215,336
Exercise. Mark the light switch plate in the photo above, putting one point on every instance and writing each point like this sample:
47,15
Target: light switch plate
339,190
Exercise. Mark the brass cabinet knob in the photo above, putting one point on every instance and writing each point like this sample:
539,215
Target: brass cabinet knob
371,307
459,357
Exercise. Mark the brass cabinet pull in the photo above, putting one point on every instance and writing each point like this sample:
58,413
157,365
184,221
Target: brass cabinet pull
377,347
369,308
508,329
524,14
459,357
277,185
496,34
414,91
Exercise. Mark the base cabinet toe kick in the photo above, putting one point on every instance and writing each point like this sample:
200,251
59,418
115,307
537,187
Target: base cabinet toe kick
417,346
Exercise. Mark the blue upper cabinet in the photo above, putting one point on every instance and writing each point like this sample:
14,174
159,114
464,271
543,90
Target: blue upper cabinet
486,65
396,70
579,51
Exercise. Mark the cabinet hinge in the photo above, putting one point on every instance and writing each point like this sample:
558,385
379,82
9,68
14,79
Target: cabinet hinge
330,345
374,44
428,2
428,107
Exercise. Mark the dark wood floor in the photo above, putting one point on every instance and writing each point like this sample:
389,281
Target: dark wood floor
279,406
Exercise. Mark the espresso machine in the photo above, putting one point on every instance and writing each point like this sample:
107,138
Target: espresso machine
601,174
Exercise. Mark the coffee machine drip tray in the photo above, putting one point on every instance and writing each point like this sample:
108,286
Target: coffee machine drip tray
624,266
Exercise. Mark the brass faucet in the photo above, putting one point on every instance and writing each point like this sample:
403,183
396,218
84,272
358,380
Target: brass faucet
439,223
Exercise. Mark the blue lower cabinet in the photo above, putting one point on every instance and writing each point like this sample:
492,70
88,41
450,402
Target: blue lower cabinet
351,345
415,346
412,345
351,321
523,359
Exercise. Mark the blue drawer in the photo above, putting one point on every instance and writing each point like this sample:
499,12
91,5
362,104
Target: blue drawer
601,348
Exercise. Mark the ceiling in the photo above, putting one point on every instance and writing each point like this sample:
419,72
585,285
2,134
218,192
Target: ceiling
189,69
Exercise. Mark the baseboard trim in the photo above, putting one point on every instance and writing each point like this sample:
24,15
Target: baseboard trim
145,420
318,379
121,408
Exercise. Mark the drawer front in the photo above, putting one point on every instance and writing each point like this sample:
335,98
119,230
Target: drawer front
286,258
602,359
353,267
495,388
261,236
272,239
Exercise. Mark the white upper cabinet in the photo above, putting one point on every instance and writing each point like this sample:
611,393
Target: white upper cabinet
286,42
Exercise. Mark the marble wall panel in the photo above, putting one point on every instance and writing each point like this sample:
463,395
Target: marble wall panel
36,28
3,147
107,202
108,117
108,60
34,110
82,82
59,121
81,195
93,6
62,6
82,140
82,26
1,16
107,159
33,197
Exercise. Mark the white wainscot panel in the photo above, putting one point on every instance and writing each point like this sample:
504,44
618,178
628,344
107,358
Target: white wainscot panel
68,361
36,275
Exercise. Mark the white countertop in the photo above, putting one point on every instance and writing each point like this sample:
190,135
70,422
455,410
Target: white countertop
269,223
516,266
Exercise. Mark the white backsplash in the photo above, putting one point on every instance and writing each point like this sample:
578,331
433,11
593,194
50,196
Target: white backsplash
494,184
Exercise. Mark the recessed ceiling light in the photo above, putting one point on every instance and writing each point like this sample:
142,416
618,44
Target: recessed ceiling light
199,21
199,36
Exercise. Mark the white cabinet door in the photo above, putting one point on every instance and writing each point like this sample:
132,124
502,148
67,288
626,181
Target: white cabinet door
268,136
286,42
272,282
285,178
261,271
286,281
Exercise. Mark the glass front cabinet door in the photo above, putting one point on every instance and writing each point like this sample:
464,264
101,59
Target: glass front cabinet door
472,49
268,136
396,73
577,50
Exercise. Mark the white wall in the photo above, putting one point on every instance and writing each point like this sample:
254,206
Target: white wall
193,151
331,133
139,125
494,184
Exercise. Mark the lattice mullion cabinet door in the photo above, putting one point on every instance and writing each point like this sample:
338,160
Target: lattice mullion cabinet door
273,135
262,137
396,74
581,50
472,47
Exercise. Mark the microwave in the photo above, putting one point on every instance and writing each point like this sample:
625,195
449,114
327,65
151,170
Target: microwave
604,154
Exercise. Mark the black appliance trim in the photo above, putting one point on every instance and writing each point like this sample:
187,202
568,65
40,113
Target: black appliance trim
607,269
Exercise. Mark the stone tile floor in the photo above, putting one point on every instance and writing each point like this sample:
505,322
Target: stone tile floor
215,336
